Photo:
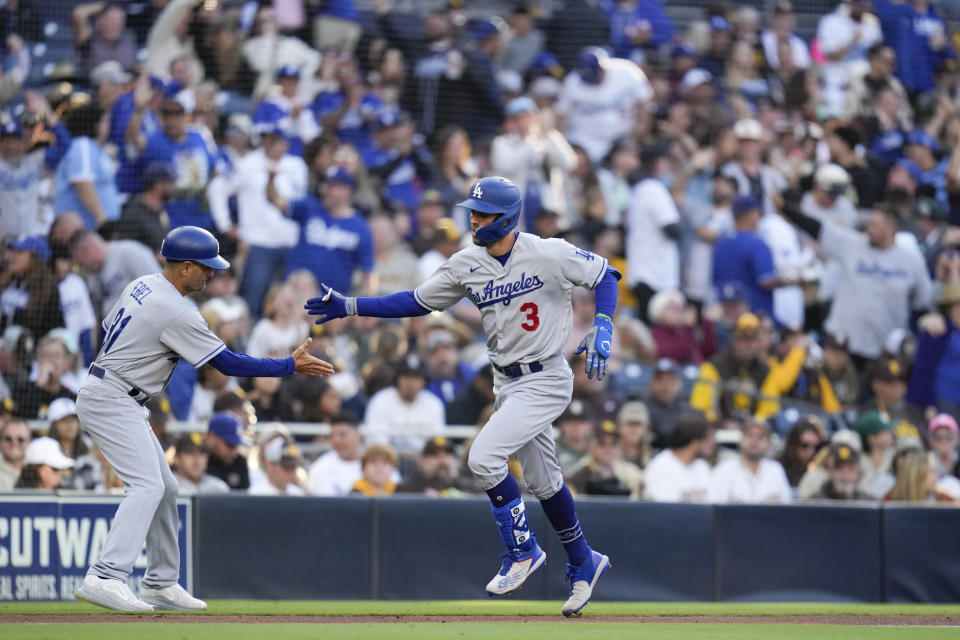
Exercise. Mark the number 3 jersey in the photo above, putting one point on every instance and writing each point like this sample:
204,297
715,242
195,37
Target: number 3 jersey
525,304
149,329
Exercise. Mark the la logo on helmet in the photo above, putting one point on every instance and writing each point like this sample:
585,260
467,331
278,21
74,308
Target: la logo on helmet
477,191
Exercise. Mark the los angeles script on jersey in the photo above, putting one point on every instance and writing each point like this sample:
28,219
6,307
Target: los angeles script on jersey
493,293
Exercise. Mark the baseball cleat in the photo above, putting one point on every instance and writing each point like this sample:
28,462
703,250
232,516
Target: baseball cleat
582,580
110,594
517,567
173,597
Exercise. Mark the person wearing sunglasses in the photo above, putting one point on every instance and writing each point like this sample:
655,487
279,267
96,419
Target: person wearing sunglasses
14,438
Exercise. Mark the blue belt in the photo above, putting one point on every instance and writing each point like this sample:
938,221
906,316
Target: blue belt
137,394
515,370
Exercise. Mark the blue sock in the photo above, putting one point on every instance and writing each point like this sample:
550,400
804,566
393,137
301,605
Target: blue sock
562,514
510,514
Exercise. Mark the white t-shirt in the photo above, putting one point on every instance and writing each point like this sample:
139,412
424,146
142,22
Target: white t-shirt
599,114
264,488
698,265
653,257
801,55
267,340
836,31
405,427
733,483
667,479
331,475
790,259
259,222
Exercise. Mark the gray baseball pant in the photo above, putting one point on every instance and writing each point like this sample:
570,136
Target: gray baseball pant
148,512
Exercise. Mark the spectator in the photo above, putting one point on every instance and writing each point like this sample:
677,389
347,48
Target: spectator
878,432
803,441
943,436
919,36
110,266
454,170
526,40
14,438
676,331
827,200
281,459
916,480
107,40
666,403
335,472
843,464
447,374
745,88
714,60
832,382
637,27
619,166
436,472
223,440
33,393
219,47
679,473
406,414
443,240
283,111
601,471
472,399
737,381
282,326
210,383
633,425
484,108
335,240
395,265
882,282
398,158
75,444
144,218
782,25
846,37
575,432
378,466
159,415
23,172
186,152
269,50
575,25
133,118
746,259
751,478
190,467
43,465
888,381
85,180
336,25
537,159
863,92
653,230
170,39
29,295
600,100
865,176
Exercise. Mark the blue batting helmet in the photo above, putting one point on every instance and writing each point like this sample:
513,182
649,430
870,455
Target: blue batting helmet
590,64
495,195
193,244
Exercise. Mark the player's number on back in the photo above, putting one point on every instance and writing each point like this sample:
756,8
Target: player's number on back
119,324
532,320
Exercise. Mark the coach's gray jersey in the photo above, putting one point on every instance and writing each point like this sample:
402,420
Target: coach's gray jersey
524,305
149,329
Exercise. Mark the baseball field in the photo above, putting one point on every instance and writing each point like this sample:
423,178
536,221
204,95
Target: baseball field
240,619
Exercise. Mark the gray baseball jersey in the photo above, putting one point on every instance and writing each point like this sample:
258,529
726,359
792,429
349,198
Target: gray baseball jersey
149,328
524,305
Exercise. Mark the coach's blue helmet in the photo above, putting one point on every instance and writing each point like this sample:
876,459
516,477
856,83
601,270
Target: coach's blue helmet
495,195
193,244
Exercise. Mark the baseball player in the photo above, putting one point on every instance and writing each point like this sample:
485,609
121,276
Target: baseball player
146,333
522,286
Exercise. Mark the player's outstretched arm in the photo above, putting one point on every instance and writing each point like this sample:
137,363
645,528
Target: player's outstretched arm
333,304
309,365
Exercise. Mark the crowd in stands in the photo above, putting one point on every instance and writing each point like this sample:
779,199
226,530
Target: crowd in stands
784,205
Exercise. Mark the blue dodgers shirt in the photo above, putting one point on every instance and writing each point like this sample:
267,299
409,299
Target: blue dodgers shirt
745,258
86,161
330,248
129,168
193,165
352,128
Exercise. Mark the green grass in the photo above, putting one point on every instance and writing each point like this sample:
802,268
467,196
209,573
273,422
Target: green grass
559,630
505,607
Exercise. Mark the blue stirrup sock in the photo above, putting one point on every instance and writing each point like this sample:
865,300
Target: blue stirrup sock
562,513
511,516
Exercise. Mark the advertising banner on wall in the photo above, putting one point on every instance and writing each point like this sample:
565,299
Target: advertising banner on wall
47,542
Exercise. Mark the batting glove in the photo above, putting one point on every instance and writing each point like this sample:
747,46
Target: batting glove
331,305
597,345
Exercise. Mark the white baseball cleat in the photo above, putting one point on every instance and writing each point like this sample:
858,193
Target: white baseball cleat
173,597
582,580
516,568
110,594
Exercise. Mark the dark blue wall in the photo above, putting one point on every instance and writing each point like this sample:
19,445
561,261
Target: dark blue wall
423,548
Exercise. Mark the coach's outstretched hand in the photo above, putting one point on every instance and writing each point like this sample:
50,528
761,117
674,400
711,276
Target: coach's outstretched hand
597,344
331,305
307,364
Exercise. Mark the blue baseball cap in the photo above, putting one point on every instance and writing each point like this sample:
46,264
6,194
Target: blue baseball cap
523,104
913,169
288,71
390,117
919,136
683,49
745,203
157,83
11,128
157,172
483,29
590,64
719,23
36,244
546,64
229,428
340,175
